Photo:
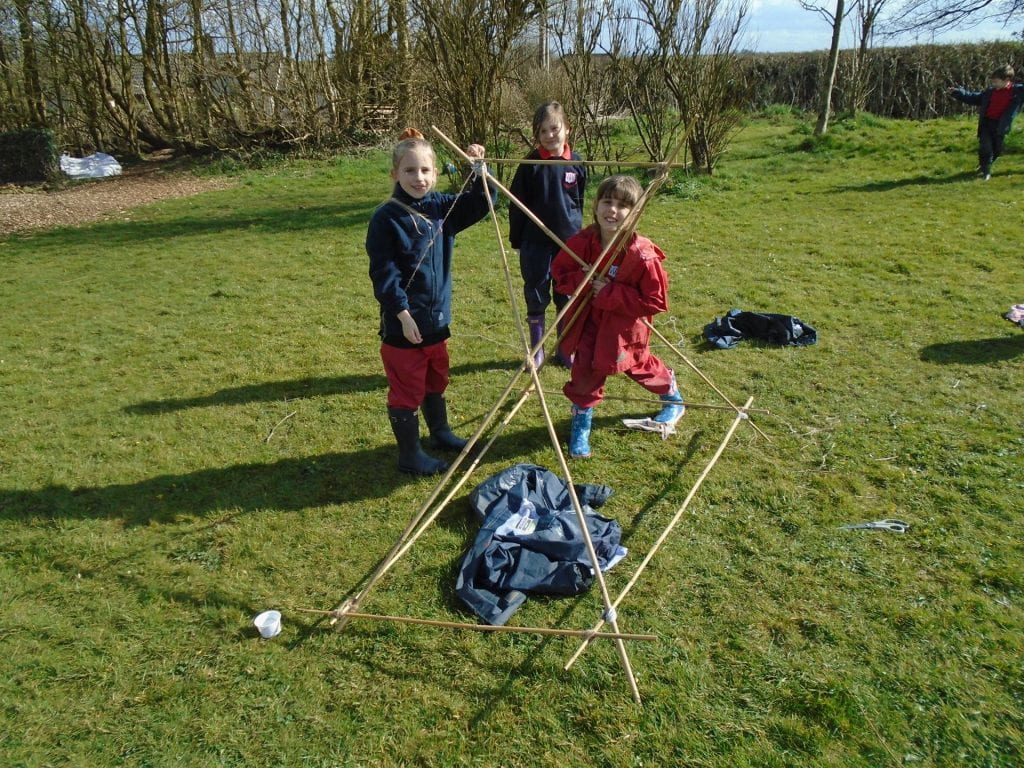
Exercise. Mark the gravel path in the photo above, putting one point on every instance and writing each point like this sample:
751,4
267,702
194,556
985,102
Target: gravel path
31,208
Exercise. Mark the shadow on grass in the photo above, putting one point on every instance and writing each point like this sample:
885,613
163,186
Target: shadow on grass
912,181
229,218
290,389
289,484
976,351
673,484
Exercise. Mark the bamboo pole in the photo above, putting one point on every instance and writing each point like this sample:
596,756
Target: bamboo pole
672,524
592,269
599,163
399,548
556,444
584,633
629,225
652,401
696,370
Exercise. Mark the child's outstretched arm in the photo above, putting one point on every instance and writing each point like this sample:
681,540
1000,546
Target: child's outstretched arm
967,97
467,209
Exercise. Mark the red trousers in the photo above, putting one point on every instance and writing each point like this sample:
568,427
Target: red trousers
585,387
412,373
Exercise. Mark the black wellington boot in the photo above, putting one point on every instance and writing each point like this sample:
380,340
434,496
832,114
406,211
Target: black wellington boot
435,413
411,458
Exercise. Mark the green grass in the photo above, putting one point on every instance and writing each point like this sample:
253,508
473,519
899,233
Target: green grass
145,517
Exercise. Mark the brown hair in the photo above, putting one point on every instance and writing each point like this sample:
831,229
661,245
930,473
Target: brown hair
1004,72
410,138
625,189
543,112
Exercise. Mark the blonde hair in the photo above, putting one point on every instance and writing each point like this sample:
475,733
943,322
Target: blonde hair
625,189
410,139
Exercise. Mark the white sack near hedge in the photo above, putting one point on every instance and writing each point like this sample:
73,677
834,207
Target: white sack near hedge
93,166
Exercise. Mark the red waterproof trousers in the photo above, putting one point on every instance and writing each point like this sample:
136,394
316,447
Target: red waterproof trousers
412,373
585,387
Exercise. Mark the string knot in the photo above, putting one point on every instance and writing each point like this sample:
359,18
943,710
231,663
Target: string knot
611,616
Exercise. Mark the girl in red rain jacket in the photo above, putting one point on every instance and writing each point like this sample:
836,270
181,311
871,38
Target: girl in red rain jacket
609,336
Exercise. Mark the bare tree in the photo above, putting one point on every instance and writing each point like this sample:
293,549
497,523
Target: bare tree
828,79
940,15
471,49
678,67
578,30
867,14
32,89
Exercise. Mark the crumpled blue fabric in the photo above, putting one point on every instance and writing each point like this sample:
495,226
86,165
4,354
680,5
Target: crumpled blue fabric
530,541
736,325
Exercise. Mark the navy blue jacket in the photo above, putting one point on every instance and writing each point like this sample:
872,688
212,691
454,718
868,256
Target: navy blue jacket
982,98
411,258
520,550
555,195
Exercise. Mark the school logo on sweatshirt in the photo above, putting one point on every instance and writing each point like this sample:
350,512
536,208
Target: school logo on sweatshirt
570,178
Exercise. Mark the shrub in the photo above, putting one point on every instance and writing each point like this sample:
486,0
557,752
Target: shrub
28,155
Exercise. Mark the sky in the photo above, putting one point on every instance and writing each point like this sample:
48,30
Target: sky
782,25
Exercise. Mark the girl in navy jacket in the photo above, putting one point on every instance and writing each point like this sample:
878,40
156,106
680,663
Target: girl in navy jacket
554,193
409,241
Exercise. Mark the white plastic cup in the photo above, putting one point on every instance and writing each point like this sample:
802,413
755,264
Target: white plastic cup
268,623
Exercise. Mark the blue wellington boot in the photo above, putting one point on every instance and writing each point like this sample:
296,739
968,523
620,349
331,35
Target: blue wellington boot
579,432
674,408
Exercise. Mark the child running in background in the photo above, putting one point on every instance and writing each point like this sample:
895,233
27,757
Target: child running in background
997,106
610,336
410,240
554,194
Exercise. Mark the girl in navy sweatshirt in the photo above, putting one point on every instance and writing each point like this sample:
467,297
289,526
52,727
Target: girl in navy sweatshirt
409,241
554,194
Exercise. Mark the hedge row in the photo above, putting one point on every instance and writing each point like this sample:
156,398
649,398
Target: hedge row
909,82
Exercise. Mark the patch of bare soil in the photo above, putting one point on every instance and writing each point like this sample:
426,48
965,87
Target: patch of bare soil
26,208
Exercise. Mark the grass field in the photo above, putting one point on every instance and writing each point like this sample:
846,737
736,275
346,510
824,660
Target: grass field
193,431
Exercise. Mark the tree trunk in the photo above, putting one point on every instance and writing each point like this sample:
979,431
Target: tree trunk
34,104
829,80
400,9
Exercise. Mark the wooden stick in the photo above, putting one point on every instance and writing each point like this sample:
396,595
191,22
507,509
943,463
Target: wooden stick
605,163
399,548
584,633
628,226
556,443
274,428
696,370
668,529
706,406
591,269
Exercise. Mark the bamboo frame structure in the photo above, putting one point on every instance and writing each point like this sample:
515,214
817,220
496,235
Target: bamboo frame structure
350,608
